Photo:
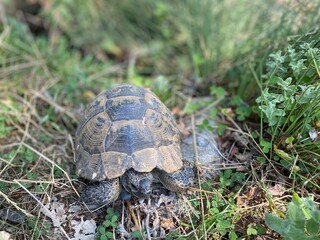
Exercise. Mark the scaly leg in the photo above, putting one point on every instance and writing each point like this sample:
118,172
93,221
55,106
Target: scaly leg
101,193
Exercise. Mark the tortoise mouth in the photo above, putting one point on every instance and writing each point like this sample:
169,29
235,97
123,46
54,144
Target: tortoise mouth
139,184
142,190
145,187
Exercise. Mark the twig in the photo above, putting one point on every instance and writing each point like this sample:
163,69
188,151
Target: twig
198,173
27,180
7,162
204,110
53,163
139,224
186,201
194,229
122,218
135,220
12,69
200,190
72,147
261,151
147,219
15,205
107,71
54,104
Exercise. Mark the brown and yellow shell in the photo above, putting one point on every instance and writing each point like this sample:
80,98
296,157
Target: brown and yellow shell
126,127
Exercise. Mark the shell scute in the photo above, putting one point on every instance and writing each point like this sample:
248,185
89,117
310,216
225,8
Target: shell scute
125,108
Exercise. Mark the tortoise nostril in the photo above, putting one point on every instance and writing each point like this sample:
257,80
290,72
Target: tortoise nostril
144,183
145,186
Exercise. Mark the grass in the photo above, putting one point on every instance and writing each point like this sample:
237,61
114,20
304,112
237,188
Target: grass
35,144
193,55
289,105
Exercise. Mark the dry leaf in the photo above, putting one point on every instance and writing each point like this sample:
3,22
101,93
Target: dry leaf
4,235
89,95
240,202
251,193
84,230
276,190
244,157
177,111
56,212
234,151
242,140
183,129
313,134
167,223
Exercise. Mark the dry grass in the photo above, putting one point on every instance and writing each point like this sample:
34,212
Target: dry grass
32,155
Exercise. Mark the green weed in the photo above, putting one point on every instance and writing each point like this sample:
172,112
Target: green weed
221,217
229,178
106,230
220,211
70,74
6,107
4,128
290,105
302,220
192,41
243,110
39,228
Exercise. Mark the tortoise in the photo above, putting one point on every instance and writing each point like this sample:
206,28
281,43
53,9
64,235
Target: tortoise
126,141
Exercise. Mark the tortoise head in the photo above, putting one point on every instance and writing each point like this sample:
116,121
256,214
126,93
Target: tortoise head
141,188
145,187
139,184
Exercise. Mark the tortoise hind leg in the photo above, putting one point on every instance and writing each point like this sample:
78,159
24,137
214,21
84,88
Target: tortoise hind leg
101,193
179,180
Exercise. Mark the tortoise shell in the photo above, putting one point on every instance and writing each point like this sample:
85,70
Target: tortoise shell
126,127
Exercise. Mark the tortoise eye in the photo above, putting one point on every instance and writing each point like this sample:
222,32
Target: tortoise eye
134,187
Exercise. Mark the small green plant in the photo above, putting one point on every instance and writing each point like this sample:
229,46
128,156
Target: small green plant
4,128
221,213
289,108
266,146
251,230
191,107
27,154
210,123
291,97
7,107
106,230
39,228
243,110
229,178
219,92
301,222
205,125
221,217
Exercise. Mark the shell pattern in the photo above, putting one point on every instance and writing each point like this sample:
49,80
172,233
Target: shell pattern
126,127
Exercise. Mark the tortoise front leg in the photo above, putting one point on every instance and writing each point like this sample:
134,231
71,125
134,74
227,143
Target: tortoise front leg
101,193
179,180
